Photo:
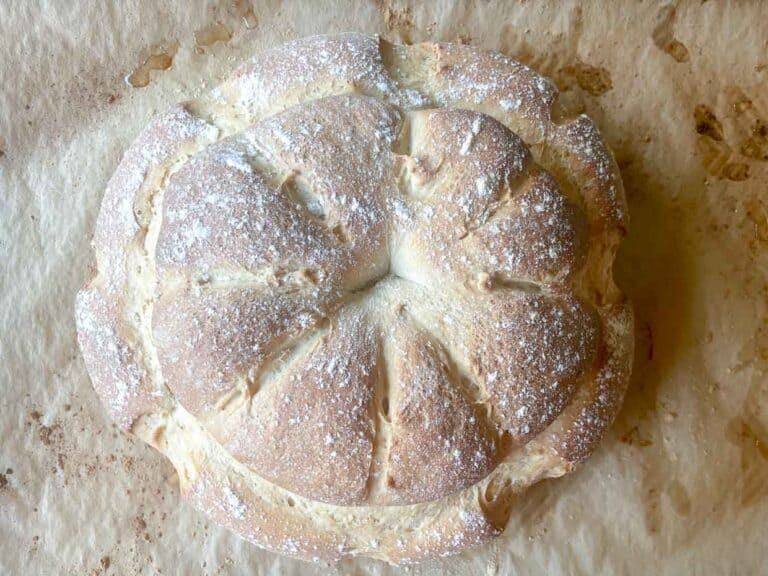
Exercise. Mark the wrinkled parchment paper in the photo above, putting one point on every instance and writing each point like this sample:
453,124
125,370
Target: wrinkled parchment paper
681,93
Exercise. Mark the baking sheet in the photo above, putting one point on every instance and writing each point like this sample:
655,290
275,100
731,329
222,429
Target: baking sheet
681,94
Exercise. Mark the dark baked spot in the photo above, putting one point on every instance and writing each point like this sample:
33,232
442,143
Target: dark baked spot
105,562
3,482
340,233
707,123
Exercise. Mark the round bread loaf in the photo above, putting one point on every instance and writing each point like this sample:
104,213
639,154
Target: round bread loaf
361,296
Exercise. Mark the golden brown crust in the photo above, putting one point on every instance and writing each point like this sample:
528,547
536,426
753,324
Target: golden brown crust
313,424
531,352
582,425
208,339
361,295
492,210
435,424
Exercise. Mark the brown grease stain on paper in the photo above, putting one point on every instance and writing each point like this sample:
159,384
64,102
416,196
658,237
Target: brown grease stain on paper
592,79
731,155
741,102
717,155
752,439
560,61
243,9
664,35
757,213
210,35
756,146
707,123
398,20
159,59
736,171
678,497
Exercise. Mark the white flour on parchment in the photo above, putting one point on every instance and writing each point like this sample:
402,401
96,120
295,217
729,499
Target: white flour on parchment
679,485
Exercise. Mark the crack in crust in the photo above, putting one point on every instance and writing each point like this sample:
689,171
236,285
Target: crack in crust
382,435
235,276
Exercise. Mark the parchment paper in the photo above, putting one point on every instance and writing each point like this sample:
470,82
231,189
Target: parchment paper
681,483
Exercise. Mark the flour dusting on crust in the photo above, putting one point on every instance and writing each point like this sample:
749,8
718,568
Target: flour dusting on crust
360,295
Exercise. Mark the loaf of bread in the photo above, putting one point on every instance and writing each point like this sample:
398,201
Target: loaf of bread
361,295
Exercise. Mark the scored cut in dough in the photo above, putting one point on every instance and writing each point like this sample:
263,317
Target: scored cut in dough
361,295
